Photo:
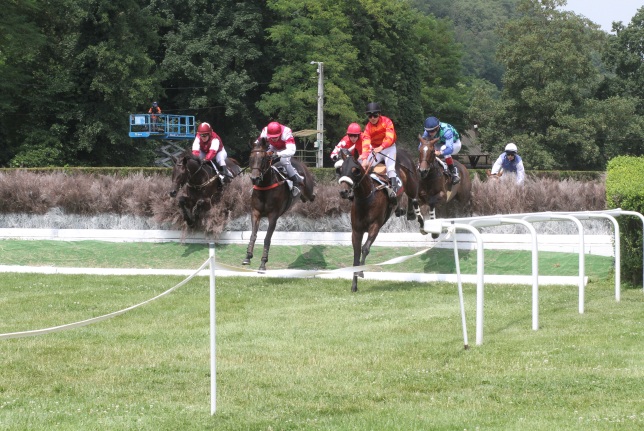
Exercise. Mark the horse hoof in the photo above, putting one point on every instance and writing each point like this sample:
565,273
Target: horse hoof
399,212
246,262
434,235
423,231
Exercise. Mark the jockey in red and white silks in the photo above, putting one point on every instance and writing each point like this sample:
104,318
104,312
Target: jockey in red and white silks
208,146
281,143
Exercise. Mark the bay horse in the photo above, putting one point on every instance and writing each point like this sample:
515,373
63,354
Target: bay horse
271,196
435,185
370,210
203,185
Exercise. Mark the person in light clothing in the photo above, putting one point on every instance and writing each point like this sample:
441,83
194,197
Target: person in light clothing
510,162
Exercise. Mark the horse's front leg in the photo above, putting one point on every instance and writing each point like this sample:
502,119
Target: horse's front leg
371,237
356,241
272,223
183,206
198,209
255,217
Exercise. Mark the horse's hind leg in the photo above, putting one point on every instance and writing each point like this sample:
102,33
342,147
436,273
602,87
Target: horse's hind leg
412,204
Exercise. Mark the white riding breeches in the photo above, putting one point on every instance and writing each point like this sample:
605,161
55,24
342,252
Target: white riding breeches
387,155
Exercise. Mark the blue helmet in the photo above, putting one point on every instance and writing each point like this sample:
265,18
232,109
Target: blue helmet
431,123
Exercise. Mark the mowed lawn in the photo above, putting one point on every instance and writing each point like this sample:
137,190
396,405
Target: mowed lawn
308,354
102,254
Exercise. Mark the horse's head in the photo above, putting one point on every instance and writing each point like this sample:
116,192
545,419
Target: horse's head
426,156
351,173
258,161
185,167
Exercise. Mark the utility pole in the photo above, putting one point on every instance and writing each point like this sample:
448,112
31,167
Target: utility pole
320,126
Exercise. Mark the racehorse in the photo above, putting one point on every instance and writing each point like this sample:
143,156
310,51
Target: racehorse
272,195
435,185
370,210
203,185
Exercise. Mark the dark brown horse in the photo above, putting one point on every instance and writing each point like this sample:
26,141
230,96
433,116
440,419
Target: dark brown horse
406,170
435,185
203,185
271,195
370,210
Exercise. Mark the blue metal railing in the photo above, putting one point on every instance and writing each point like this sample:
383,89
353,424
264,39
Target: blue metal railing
162,126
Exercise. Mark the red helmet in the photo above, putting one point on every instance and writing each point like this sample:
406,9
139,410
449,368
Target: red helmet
354,129
274,130
204,128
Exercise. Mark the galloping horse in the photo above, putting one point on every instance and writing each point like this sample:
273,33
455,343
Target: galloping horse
271,195
370,210
435,185
203,185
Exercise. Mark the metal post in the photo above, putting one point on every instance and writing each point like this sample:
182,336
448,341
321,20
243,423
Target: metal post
320,126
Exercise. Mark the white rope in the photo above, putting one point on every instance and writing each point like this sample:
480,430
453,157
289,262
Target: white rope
99,318
221,266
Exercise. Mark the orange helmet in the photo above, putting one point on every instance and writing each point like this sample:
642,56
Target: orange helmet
204,128
274,130
354,129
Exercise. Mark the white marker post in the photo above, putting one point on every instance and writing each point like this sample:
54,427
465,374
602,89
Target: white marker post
213,348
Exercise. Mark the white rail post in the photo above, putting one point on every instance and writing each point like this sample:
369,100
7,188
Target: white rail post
213,344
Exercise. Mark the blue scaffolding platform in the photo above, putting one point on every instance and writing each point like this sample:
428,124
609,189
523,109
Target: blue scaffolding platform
162,126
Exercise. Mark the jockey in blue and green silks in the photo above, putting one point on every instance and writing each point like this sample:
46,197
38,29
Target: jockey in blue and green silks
448,140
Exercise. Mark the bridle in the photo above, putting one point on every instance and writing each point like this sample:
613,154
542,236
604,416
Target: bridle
429,158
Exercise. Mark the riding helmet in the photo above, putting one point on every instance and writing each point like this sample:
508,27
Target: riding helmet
354,129
511,148
204,128
373,108
274,130
431,123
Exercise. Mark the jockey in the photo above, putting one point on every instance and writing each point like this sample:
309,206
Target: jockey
282,145
449,141
379,144
510,161
208,146
351,142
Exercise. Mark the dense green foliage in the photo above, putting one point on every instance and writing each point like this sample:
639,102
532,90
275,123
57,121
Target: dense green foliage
625,190
73,70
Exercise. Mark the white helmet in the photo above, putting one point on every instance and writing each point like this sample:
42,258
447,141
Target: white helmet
511,148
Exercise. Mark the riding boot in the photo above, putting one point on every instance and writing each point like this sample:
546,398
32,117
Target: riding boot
393,191
297,181
226,176
454,172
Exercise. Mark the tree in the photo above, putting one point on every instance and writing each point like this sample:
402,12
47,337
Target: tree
213,65
382,51
546,104
90,72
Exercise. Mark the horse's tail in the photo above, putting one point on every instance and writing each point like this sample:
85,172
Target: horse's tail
233,166
409,172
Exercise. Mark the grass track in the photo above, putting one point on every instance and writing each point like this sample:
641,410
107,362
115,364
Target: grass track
307,354
187,256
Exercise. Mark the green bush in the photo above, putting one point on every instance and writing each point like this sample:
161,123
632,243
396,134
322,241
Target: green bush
625,190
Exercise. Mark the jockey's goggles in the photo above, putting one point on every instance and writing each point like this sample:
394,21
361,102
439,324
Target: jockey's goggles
510,153
432,130
354,135
204,135
373,114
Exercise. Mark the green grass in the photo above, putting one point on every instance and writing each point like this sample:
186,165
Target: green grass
187,256
307,354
